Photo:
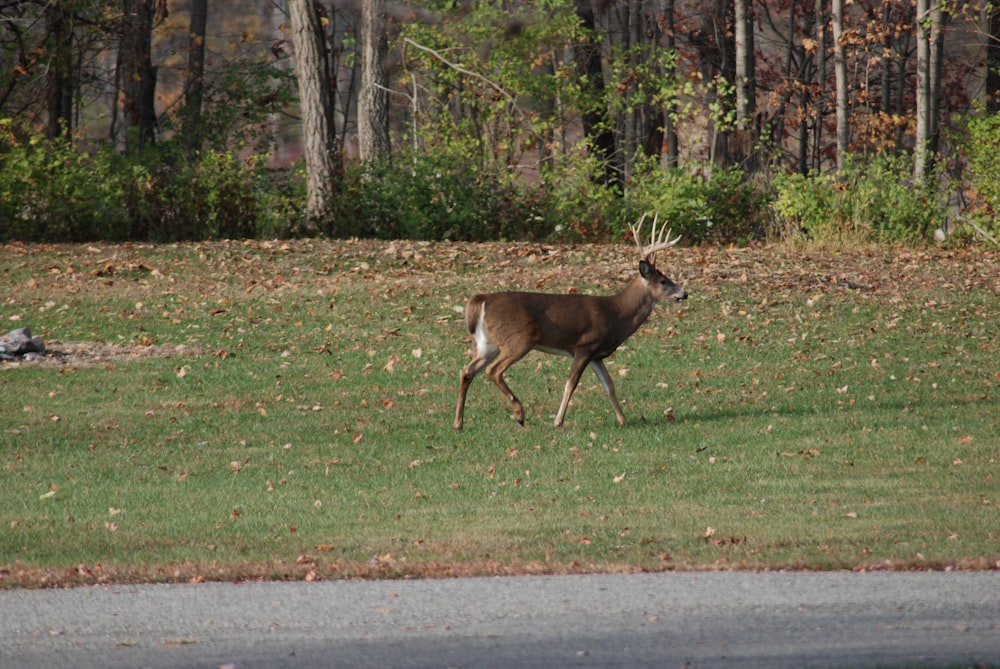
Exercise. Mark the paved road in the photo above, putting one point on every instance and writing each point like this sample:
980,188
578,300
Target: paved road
696,620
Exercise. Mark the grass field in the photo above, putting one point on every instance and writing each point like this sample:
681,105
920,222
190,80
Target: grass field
244,410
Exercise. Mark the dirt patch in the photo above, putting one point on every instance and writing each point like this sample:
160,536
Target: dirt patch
96,354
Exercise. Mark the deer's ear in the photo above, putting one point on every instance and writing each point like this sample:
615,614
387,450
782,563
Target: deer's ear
645,269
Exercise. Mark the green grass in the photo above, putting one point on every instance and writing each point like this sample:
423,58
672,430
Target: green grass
284,411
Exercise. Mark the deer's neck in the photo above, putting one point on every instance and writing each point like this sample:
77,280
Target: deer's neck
634,305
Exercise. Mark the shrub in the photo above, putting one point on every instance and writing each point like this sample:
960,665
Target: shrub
49,191
723,208
575,203
871,199
803,203
216,196
983,150
735,206
677,197
52,191
435,198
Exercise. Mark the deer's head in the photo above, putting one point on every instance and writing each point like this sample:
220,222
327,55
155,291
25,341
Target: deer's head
660,287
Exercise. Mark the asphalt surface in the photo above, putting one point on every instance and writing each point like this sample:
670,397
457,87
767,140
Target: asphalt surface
693,620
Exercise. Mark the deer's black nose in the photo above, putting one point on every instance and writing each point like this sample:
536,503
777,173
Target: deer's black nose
683,295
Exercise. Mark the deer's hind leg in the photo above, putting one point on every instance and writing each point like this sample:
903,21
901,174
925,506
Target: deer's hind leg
484,356
507,358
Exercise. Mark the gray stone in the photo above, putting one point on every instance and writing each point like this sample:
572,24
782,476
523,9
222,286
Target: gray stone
19,344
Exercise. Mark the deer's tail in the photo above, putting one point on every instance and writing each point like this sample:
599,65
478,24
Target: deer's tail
474,312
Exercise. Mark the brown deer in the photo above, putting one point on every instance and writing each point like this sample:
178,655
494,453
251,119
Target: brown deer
588,328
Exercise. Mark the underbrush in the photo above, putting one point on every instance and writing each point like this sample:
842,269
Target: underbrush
54,192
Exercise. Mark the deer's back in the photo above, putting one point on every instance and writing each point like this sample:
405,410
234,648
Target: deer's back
546,320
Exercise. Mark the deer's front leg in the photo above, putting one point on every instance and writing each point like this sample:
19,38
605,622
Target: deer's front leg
580,362
602,374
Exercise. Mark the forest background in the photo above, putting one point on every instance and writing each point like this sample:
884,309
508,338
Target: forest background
733,120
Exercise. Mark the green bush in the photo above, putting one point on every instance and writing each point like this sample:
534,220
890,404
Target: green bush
724,208
804,204
49,191
736,204
677,197
871,199
576,204
52,191
983,150
216,196
435,198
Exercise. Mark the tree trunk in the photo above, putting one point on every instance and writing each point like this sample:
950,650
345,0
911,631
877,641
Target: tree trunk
373,96
993,61
59,73
840,76
930,45
923,135
193,134
311,71
596,126
715,43
939,18
630,35
670,120
746,102
745,81
138,76
817,134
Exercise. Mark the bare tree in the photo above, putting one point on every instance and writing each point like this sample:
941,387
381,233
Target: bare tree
745,82
937,18
820,84
746,102
840,76
318,138
59,76
373,96
670,117
137,74
930,42
194,90
993,60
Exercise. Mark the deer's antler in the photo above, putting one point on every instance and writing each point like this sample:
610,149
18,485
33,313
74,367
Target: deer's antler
658,240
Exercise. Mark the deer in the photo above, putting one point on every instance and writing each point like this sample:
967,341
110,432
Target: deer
506,326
